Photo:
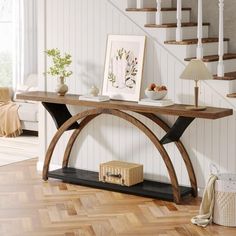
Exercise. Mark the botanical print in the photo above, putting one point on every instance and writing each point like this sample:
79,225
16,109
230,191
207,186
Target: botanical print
123,67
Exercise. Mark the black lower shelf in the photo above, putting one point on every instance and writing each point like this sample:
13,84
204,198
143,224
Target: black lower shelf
89,178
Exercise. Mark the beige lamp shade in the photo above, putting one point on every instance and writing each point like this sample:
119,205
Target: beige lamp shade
196,70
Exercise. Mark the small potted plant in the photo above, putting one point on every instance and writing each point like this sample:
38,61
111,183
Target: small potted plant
59,69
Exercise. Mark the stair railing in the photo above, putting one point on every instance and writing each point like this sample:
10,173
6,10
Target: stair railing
179,33
199,31
220,67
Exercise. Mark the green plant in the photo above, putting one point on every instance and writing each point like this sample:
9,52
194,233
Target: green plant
60,63
112,79
131,69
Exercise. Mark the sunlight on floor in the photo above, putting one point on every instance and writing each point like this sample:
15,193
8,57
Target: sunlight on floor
17,149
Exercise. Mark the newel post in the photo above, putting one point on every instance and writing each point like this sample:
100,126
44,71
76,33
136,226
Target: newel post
220,68
199,31
179,33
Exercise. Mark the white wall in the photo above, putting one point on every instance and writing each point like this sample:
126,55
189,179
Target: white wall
30,37
80,27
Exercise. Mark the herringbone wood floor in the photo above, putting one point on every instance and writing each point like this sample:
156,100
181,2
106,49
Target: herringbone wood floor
32,207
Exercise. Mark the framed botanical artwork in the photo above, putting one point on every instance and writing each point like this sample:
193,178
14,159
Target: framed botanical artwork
124,67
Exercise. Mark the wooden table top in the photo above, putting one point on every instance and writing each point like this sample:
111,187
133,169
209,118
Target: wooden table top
176,109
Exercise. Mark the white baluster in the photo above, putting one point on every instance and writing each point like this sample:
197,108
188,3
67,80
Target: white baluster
159,14
131,4
199,31
220,68
179,33
140,4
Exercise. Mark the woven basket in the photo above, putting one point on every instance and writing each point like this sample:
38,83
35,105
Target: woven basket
225,200
122,173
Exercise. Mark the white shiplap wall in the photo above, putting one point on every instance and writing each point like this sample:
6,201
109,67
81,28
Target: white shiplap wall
29,37
80,27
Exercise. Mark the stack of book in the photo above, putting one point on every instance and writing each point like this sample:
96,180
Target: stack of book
92,98
158,103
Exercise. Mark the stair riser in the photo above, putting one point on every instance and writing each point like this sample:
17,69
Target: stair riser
223,86
166,3
139,18
131,4
147,3
229,65
184,51
167,17
164,34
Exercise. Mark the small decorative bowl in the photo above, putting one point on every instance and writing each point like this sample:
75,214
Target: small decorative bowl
155,95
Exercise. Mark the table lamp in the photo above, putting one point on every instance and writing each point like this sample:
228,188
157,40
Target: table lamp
196,70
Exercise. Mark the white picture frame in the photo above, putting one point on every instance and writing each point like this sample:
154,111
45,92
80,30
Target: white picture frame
124,67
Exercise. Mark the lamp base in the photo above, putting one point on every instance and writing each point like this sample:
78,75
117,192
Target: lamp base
194,108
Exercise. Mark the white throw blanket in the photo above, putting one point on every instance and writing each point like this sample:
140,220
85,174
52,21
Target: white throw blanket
206,208
10,125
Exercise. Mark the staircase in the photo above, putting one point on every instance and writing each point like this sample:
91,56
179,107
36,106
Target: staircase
188,40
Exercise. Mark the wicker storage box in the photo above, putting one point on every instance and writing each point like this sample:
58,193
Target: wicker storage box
122,173
225,200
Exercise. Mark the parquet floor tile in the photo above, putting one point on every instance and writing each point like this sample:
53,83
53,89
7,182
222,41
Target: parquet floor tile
32,207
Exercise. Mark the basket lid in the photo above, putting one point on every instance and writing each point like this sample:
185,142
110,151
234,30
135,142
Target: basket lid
227,177
121,164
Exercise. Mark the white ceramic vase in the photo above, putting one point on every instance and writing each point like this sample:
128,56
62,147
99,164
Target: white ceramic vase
62,88
94,91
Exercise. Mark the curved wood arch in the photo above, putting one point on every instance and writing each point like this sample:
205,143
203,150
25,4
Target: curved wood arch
74,136
157,121
181,148
59,133
129,118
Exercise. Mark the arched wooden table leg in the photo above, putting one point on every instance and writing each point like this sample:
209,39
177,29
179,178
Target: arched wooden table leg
157,121
129,118
181,148
73,137
158,145
189,167
59,133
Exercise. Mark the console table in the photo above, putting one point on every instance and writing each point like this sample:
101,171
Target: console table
64,121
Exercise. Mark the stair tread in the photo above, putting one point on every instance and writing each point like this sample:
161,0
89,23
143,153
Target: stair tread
231,95
173,25
212,58
227,76
155,9
194,41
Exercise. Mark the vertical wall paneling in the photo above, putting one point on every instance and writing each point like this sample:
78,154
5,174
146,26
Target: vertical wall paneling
41,39
231,145
80,27
30,39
